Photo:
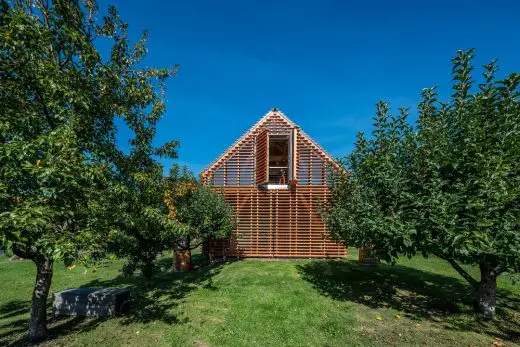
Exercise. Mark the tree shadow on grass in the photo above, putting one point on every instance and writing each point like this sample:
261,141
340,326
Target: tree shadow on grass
417,294
11,321
150,301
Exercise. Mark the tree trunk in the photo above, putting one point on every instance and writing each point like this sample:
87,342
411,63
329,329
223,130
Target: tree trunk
487,289
367,255
182,256
38,322
181,261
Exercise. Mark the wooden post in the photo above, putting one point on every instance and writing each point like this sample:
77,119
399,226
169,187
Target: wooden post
367,255
182,261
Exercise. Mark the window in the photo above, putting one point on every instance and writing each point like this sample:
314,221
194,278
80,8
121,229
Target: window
279,162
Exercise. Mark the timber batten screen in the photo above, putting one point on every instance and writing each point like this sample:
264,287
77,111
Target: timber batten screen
262,157
276,178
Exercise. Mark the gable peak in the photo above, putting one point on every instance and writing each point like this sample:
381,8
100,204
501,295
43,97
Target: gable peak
274,112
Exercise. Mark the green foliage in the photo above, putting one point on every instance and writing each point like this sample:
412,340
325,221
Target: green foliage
467,169
49,191
367,203
65,187
59,101
203,212
450,187
206,215
144,229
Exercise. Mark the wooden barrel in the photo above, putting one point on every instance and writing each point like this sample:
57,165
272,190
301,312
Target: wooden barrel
367,255
181,261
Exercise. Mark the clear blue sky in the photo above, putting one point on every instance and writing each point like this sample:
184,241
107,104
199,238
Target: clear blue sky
324,63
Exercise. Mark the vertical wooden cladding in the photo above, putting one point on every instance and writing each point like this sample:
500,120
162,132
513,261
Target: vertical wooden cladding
237,169
311,168
237,165
262,157
294,154
277,222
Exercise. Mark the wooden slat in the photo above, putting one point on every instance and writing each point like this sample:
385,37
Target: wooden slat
274,223
262,157
278,223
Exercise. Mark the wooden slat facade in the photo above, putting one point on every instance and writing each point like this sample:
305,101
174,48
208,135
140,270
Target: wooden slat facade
274,222
262,157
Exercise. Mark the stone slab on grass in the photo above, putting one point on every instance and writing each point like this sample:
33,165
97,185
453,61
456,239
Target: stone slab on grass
97,302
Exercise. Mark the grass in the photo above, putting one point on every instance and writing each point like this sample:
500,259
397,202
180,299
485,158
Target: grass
273,303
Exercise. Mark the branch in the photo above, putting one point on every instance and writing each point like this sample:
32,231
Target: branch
474,283
45,12
197,245
22,252
18,251
46,112
179,245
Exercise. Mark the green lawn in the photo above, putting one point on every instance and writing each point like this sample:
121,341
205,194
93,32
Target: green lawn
273,303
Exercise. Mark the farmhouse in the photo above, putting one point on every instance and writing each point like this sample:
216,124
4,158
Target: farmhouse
277,180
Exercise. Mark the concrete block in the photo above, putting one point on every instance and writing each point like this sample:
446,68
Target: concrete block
96,302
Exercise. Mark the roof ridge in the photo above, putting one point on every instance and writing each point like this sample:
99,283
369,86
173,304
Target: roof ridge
318,146
271,112
241,138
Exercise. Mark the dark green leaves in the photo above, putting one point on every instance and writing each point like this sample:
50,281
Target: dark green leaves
451,186
63,181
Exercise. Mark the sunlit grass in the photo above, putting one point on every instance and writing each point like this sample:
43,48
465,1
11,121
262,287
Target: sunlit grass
273,303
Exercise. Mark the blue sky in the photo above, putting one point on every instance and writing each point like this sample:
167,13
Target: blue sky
323,63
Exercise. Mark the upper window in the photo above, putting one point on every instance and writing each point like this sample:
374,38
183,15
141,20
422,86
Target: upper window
279,159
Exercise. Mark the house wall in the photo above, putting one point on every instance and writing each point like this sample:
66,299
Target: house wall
278,222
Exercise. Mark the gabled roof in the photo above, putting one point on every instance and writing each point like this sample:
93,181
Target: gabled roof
272,113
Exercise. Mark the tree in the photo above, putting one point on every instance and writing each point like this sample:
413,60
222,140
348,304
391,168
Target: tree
49,191
140,216
448,187
202,212
60,102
